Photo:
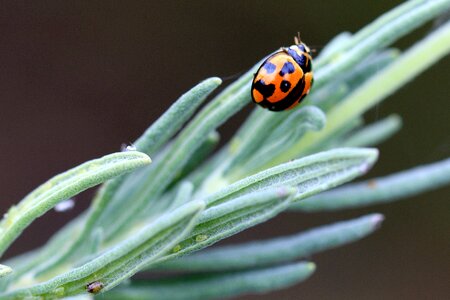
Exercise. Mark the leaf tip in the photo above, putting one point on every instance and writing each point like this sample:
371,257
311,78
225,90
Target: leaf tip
197,205
136,155
371,157
5,270
146,159
311,266
377,220
216,80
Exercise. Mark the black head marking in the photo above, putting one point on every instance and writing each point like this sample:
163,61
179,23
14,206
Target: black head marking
288,68
301,47
265,90
270,67
301,60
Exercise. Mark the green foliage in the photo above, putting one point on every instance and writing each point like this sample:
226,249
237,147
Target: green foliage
156,217
380,190
210,286
277,250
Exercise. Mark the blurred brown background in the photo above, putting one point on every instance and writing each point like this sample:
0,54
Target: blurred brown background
78,79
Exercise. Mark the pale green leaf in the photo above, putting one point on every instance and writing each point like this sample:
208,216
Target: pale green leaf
122,261
277,250
233,216
5,271
382,34
65,186
309,175
281,138
172,120
381,85
380,190
374,134
216,286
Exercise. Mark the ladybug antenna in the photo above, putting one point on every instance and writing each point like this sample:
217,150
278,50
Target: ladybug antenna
297,38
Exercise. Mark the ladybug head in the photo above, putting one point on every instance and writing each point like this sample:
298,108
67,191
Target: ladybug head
302,46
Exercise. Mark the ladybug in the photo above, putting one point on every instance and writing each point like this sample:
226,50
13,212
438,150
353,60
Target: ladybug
284,78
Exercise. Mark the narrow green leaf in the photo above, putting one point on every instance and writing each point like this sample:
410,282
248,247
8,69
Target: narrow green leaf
151,140
199,156
334,92
65,186
5,271
173,160
370,66
246,142
278,250
345,40
231,217
374,134
380,190
336,140
172,120
281,138
310,174
406,67
327,96
333,48
247,129
209,167
385,34
23,263
183,195
216,286
385,19
119,262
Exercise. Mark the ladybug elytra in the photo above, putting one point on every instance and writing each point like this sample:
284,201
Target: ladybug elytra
284,78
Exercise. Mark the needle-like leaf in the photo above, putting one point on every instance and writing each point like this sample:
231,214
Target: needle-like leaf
278,250
65,186
216,286
380,190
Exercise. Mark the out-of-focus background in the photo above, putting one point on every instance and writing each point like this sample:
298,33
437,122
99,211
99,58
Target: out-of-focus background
78,79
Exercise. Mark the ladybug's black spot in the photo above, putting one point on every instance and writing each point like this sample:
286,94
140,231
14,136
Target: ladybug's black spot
265,90
288,68
285,86
270,67
290,98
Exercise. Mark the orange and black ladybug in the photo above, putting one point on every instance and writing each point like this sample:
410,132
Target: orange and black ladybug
284,78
